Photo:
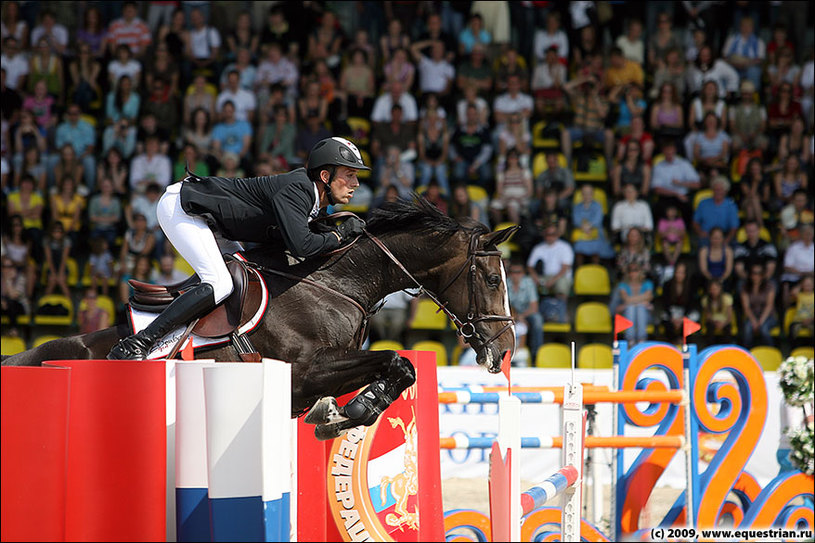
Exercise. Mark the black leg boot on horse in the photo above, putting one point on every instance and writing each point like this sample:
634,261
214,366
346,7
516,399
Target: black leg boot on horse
363,409
193,304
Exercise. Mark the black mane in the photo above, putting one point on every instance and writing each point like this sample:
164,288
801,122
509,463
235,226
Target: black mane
417,215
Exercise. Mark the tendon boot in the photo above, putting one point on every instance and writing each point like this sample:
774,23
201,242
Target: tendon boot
193,304
365,407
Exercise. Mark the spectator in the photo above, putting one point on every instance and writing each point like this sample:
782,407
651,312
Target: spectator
129,30
557,179
475,71
586,47
44,64
588,229
105,212
15,63
622,72
18,248
758,305
711,148
276,69
548,79
717,211
672,180
632,167
176,37
788,180
149,127
797,142
391,321
394,39
150,167
663,40
473,33
67,166
28,203
203,47
399,69
482,107
123,102
524,304
12,23
550,266
140,271
513,102
804,303
708,101
513,190
247,73
85,70
325,41
243,100
667,119
146,204
163,66
745,51
396,172
231,134
120,136
434,32
678,301
782,111
629,213
631,43
277,141
383,105
34,166
395,133
514,134
709,68
57,249
778,41
312,102
91,317
278,30
308,136
162,104
590,110
635,249
67,207
508,64
190,160
114,167
799,259
167,274
13,295
436,74
357,81
783,70
808,87
672,231
716,259
137,242
631,104
433,147
461,206
754,250
242,36
122,65
471,152
54,33
754,191
550,210
199,95
748,122
100,265
230,167
794,215
717,314
636,294
434,195
674,72
41,105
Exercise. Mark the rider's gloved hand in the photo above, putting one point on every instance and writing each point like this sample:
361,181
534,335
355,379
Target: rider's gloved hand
350,229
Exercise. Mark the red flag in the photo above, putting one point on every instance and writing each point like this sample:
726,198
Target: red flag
505,365
621,324
187,352
688,328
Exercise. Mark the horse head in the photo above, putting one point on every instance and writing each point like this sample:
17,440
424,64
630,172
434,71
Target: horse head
476,295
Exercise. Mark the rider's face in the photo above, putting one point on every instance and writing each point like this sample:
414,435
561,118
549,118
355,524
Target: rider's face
344,183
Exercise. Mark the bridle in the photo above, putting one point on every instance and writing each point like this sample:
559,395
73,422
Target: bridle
465,328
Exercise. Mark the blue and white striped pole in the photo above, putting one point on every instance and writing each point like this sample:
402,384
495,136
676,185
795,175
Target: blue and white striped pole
549,488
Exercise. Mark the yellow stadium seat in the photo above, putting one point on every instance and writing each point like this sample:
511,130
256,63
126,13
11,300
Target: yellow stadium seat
554,355
599,195
592,318
55,320
508,246
807,352
10,345
433,346
428,317
39,340
539,163
22,320
768,357
86,277
592,280
539,141
686,248
557,327
477,194
360,131
700,195
71,269
596,174
386,345
595,356
764,233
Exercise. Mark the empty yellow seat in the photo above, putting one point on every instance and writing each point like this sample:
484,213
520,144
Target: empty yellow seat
768,357
11,345
428,316
56,320
433,346
386,345
554,355
807,352
595,356
592,280
592,318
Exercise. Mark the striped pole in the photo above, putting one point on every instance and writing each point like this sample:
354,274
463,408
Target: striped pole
552,486
551,397
463,441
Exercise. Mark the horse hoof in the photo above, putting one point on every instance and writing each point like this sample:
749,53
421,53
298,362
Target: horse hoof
333,430
325,411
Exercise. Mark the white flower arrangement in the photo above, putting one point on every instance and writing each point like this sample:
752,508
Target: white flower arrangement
796,377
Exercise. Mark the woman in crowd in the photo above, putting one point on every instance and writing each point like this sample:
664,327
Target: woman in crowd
29,204
632,169
513,190
105,212
45,65
678,303
57,250
636,294
85,70
123,102
716,259
588,231
788,180
634,250
717,314
67,166
667,118
18,249
758,307
66,207
114,167
358,82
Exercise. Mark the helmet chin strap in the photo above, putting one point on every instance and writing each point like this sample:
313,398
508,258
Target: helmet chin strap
327,185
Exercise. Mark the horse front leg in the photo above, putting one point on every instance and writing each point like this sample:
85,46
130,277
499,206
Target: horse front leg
385,372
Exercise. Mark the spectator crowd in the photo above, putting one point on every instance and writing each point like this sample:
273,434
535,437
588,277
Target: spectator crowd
669,142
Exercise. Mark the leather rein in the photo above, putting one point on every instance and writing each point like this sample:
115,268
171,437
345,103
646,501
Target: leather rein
465,329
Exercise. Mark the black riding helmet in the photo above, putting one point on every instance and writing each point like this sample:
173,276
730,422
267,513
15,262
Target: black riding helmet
330,153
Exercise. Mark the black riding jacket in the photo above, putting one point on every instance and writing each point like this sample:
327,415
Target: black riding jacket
260,209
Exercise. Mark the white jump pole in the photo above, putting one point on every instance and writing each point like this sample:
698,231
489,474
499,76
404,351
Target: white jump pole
509,437
571,502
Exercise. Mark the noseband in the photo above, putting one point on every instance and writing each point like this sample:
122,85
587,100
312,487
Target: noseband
465,328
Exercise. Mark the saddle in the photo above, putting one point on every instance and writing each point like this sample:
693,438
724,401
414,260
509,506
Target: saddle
232,313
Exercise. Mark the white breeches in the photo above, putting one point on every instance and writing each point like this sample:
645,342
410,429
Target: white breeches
194,241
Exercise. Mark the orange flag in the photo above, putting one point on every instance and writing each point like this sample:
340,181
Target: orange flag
621,324
688,328
505,365
187,352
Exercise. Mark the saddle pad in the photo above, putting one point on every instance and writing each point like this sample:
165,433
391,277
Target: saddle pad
140,319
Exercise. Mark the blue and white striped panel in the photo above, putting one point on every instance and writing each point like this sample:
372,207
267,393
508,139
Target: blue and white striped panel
234,395
277,450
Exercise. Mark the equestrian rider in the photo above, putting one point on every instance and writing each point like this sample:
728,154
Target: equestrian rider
250,210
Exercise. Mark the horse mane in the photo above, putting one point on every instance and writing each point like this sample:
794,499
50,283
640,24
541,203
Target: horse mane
417,215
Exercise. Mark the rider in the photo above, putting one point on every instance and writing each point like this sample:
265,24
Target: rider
251,210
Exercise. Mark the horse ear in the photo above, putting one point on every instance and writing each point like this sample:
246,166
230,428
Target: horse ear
493,239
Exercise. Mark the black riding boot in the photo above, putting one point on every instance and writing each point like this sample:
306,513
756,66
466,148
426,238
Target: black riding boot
193,304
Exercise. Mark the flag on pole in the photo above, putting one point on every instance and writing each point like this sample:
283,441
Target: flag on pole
505,365
621,324
688,328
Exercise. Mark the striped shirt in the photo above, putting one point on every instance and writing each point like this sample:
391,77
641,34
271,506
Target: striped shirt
134,34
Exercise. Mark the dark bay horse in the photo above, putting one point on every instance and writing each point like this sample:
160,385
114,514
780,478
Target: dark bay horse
406,245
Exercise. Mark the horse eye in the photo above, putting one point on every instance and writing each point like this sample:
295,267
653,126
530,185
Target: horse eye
494,280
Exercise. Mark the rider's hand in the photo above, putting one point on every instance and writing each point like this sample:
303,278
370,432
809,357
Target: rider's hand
350,229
